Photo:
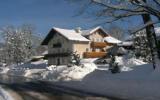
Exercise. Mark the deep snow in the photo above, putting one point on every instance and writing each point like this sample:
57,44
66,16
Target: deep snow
137,80
40,70
142,83
4,95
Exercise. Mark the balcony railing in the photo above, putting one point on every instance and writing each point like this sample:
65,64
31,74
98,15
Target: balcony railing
94,54
100,44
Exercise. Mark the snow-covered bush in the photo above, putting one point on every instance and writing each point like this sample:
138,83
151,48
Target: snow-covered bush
113,65
127,62
142,48
75,59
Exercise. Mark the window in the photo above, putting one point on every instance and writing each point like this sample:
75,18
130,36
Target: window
87,49
57,45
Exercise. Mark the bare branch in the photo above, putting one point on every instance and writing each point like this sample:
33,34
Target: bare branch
124,15
117,7
143,26
147,8
157,2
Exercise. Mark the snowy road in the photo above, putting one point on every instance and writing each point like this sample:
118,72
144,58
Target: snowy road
19,88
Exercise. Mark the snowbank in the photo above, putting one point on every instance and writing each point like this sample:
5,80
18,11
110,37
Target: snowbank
88,60
4,70
29,69
4,95
39,69
128,64
71,73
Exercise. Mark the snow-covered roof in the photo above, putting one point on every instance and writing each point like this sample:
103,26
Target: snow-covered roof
157,30
71,34
90,31
126,43
113,40
45,52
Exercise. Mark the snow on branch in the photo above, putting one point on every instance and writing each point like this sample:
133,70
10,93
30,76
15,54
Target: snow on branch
143,26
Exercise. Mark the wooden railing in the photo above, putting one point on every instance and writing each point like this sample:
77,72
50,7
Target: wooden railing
100,44
94,54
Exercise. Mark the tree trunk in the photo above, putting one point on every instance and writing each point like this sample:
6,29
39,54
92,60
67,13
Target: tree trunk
151,36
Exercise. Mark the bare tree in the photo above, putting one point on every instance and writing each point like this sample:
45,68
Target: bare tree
116,31
114,10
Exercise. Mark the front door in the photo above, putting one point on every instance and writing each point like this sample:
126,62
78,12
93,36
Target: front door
58,61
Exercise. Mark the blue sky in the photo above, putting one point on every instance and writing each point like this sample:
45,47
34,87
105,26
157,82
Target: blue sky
44,14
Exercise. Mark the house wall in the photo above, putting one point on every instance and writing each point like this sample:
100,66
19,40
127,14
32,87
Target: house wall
66,44
97,36
71,46
66,47
81,47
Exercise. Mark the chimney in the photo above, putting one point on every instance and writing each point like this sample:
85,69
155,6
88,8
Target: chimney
78,29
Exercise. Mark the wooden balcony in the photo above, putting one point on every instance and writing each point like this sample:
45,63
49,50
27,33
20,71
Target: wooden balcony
100,44
94,54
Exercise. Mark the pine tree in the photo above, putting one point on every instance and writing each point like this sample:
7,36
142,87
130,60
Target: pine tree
75,58
142,48
113,66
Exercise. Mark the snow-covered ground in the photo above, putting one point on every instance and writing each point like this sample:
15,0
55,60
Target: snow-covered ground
142,83
4,95
71,73
40,70
137,80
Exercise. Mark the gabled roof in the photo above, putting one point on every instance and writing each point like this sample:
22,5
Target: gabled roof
70,34
126,43
90,31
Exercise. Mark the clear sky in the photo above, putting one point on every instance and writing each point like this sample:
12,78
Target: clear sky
43,14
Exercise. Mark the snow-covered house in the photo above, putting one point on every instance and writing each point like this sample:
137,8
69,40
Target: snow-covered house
91,43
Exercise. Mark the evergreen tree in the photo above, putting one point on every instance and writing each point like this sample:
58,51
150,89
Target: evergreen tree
142,48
